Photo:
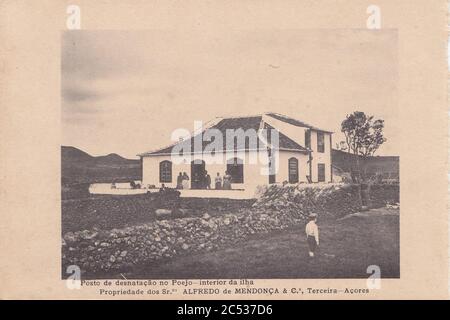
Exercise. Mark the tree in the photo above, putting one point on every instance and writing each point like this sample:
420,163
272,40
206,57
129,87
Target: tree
363,136
341,146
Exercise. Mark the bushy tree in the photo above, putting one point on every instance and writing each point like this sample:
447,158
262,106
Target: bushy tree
363,136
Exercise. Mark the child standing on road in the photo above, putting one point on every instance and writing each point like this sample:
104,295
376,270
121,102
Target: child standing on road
312,234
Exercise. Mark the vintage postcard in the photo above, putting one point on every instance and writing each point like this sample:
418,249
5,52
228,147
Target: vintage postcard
224,150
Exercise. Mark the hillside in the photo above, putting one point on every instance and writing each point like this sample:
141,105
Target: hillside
72,154
388,166
113,158
78,166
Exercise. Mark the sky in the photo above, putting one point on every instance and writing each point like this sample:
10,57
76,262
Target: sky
126,91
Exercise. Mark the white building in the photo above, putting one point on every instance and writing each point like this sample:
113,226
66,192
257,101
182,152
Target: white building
302,154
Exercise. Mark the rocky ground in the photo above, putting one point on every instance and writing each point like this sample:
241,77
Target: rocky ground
109,212
348,247
121,233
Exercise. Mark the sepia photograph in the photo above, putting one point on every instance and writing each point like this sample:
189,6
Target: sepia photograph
256,154
240,152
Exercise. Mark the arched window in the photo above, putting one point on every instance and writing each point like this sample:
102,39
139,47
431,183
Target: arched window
235,168
165,171
293,170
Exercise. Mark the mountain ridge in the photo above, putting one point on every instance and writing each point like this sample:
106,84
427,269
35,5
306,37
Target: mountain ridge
78,166
73,154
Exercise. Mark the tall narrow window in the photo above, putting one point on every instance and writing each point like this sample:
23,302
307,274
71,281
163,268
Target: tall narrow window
321,172
165,171
320,142
293,170
235,168
271,167
308,139
272,178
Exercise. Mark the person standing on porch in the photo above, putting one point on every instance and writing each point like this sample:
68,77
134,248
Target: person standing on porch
185,182
312,234
207,180
196,181
180,181
218,181
227,181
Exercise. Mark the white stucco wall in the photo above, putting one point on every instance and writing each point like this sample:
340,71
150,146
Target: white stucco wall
294,132
254,173
150,171
303,166
298,135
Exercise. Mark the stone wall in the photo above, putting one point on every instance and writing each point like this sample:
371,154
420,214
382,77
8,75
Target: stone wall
329,200
279,207
119,249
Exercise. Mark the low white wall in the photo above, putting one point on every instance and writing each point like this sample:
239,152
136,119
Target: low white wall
121,189
105,189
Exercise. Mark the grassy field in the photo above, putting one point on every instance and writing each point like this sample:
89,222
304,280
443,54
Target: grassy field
348,247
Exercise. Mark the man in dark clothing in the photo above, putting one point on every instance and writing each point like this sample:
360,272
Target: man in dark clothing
180,181
196,181
207,180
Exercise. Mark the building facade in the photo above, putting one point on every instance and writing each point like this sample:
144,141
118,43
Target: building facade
289,151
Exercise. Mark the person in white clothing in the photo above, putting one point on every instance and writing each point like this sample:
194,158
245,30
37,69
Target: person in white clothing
312,234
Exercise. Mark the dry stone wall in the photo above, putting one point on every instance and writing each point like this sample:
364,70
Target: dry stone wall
278,207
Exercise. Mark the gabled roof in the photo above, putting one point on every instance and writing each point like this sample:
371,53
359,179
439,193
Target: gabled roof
294,122
286,142
244,123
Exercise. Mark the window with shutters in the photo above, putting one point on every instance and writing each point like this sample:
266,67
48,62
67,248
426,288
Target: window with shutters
308,139
165,171
293,170
271,167
321,172
320,142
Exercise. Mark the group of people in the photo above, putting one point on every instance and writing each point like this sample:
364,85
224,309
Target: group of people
203,181
183,181
223,182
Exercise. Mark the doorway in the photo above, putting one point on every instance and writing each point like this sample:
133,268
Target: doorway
197,173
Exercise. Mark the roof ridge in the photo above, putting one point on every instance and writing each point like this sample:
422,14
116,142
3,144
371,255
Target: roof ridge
240,117
299,123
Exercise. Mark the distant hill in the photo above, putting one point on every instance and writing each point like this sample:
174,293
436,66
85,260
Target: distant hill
78,166
72,154
114,159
